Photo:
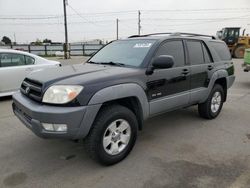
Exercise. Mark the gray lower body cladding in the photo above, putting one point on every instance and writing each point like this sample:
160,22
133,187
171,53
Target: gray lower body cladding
33,114
230,81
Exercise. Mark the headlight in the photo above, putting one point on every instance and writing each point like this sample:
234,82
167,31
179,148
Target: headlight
61,94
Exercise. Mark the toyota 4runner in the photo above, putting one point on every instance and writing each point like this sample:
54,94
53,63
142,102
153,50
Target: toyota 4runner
106,100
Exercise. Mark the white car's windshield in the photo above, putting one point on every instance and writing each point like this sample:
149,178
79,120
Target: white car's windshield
123,52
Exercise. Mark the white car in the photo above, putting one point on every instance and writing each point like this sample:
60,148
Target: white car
16,65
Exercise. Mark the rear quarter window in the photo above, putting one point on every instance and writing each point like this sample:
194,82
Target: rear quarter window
221,50
29,60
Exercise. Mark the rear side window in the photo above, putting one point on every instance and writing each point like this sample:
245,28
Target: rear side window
173,48
195,52
9,59
222,50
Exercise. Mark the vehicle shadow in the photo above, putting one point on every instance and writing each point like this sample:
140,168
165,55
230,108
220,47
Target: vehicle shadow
7,98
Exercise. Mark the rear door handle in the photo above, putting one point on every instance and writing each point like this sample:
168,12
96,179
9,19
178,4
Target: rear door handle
29,69
185,71
210,67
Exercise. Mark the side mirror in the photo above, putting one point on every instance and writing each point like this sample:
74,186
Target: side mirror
163,62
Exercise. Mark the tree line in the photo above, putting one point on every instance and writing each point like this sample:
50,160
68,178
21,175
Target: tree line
7,41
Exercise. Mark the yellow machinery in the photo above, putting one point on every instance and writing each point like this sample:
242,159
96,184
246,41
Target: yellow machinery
236,43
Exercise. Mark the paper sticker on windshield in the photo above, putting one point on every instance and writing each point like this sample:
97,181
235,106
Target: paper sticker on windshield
142,45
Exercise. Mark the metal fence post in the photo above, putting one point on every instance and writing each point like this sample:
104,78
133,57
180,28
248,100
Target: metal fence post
45,48
69,49
83,49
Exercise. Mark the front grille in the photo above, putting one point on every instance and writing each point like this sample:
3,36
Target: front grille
32,89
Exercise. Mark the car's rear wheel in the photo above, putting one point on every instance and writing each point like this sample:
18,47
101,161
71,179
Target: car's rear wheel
113,135
211,108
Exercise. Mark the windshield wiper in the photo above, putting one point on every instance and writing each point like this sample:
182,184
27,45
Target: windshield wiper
107,63
92,62
112,63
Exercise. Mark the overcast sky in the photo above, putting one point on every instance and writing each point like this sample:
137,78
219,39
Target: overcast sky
95,19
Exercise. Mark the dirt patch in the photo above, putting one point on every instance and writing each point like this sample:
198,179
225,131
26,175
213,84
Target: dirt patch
15,179
248,136
179,174
186,148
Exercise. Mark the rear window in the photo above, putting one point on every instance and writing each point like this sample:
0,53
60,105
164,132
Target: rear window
222,50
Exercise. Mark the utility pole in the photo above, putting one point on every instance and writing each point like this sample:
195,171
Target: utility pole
117,29
139,22
66,45
15,38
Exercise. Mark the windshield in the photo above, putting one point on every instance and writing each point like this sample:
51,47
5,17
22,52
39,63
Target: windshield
123,52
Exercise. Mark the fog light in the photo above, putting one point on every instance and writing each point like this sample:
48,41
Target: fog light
48,127
55,127
60,127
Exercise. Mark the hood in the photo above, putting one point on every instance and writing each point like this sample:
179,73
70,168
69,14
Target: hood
77,74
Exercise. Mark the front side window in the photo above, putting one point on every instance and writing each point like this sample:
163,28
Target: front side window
127,52
9,59
173,48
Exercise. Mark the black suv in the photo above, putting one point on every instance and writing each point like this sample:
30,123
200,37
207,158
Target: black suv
106,100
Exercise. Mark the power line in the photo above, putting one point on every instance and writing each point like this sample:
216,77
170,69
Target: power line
31,18
82,16
40,17
194,19
199,10
145,19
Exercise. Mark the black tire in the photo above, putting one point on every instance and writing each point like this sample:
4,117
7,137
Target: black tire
239,51
94,141
205,110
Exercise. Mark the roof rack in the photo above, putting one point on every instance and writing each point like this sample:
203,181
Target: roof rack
174,34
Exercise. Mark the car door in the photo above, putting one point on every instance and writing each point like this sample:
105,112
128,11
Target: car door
201,65
13,70
168,89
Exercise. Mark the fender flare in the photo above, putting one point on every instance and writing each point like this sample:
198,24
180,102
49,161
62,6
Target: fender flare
122,91
216,75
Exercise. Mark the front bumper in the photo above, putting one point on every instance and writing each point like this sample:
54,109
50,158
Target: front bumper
246,67
33,114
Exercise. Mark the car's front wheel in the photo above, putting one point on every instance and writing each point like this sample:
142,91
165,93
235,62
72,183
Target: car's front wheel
211,108
113,135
